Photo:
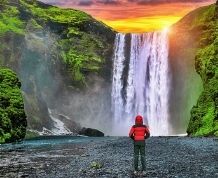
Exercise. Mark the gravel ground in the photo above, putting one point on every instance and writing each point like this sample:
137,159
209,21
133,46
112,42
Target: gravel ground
181,157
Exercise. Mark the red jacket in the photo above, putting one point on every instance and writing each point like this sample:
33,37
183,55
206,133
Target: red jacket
139,131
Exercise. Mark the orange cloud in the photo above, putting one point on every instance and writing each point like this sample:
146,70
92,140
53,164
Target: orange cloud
142,18
136,15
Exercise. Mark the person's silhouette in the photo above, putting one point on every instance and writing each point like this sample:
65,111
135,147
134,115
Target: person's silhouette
139,133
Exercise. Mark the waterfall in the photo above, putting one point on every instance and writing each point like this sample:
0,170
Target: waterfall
59,126
147,84
117,100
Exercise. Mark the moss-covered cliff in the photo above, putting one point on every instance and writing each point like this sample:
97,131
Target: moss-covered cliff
12,116
62,58
84,44
204,115
194,49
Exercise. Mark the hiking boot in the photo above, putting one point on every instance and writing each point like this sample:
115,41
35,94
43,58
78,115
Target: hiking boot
135,173
143,173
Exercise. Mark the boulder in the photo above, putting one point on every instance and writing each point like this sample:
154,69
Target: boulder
73,126
91,132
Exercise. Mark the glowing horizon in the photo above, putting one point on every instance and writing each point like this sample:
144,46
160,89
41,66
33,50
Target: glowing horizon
134,16
146,25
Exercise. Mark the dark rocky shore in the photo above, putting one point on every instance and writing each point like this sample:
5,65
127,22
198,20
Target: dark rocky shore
109,157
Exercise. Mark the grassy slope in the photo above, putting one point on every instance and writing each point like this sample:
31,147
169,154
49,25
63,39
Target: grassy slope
204,115
9,20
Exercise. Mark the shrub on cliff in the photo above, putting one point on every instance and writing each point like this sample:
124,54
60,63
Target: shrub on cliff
12,116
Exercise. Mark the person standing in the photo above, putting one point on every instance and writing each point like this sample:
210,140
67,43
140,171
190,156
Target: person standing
139,133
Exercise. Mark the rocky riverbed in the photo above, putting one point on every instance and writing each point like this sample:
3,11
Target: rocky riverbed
63,157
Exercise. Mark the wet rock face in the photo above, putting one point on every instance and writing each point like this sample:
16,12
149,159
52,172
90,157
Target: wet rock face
91,132
73,126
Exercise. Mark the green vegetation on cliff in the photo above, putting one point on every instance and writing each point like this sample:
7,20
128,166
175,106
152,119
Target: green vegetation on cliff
82,42
204,115
11,27
9,21
12,116
36,37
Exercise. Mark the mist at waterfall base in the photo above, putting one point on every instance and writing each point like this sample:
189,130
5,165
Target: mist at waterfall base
141,82
53,105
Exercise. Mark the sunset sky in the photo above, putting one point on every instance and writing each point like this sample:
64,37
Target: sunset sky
134,15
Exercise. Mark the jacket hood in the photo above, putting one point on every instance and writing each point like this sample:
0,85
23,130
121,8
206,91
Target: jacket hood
139,120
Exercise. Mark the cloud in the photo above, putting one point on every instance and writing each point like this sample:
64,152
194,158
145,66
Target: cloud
85,2
109,2
134,15
60,3
121,2
156,2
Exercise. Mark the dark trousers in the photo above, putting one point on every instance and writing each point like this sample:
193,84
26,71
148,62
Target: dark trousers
139,149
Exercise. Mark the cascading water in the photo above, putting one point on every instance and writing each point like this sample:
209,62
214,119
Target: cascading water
146,88
59,126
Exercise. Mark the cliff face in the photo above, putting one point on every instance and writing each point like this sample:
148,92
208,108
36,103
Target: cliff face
204,115
63,59
84,44
185,82
193,51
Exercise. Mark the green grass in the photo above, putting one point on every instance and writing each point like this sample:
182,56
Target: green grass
71,17
202,15
9,21
31,134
